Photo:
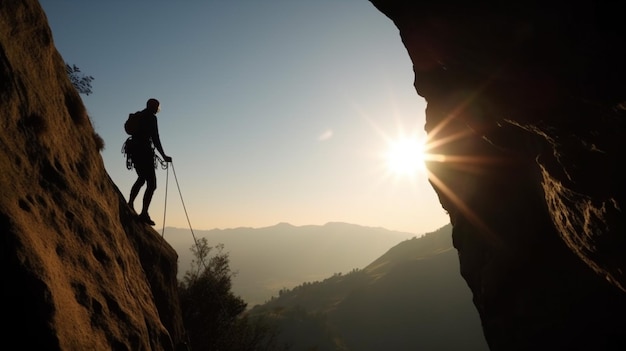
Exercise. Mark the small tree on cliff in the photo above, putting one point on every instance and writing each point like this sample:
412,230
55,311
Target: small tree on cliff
213,316
81,82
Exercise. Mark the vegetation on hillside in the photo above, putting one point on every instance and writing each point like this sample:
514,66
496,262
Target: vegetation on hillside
81,82
412,297
213,316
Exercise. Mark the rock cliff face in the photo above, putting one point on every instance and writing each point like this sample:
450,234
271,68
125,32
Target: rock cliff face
526,111
80,272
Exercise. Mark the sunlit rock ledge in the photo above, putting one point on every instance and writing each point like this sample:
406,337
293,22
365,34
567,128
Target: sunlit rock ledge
81,273
526,108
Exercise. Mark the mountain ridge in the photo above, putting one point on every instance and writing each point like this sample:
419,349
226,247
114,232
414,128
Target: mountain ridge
268,259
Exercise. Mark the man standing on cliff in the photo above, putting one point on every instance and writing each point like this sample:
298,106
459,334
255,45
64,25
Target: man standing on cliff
140,151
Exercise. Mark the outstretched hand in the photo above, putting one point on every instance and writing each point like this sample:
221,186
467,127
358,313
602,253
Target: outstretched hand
167,159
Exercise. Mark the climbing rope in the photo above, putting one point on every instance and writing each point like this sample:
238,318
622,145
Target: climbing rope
180,193
167,177
213,292
184,207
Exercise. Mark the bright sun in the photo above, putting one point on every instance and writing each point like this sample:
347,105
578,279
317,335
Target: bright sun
405,156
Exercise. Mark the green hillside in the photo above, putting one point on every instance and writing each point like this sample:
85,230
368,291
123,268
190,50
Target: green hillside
411,298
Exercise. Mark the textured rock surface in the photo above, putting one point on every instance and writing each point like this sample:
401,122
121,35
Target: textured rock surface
526,106
80,273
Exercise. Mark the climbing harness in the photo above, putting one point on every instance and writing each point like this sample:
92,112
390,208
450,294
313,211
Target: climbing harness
129,147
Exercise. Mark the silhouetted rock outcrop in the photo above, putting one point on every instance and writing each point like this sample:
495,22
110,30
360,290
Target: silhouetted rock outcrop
526,105
81,273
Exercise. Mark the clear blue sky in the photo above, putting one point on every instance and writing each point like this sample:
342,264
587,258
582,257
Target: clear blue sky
273,111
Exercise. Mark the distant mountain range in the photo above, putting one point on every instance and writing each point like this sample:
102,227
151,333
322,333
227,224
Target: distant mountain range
284,256
410,298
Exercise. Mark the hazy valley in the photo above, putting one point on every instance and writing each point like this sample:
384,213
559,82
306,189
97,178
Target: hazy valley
346,287
269,259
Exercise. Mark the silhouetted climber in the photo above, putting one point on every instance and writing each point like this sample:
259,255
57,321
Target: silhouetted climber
139,149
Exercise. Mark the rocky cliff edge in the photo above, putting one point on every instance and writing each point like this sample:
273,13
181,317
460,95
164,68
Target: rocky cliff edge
81,273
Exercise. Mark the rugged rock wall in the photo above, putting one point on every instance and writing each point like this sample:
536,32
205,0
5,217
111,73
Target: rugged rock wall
79,272
526,108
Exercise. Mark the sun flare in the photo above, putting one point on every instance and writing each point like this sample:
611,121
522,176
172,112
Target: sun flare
405,156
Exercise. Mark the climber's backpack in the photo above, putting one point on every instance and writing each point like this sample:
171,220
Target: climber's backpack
131,126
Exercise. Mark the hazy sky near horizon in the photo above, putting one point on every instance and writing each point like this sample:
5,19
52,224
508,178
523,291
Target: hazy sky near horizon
273,111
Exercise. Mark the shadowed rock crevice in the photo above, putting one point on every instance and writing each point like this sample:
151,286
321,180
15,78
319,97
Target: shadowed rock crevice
524,101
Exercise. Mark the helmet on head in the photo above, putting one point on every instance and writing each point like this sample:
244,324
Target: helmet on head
153,105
